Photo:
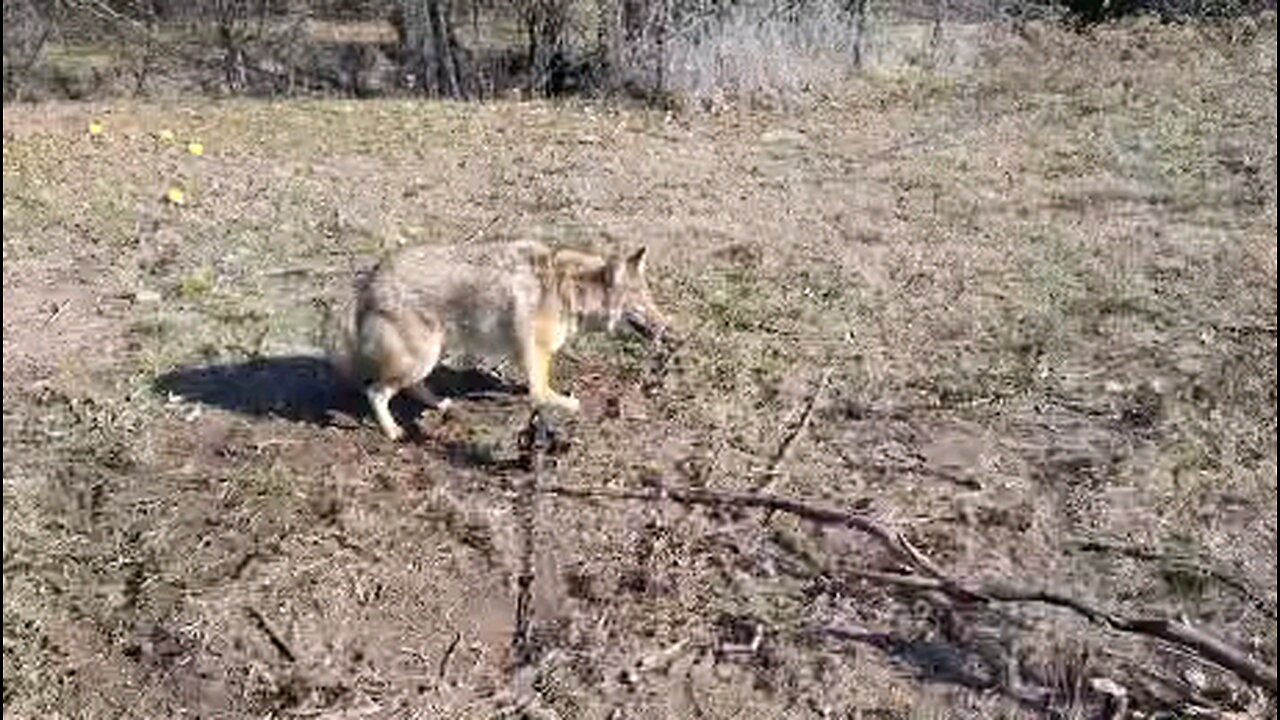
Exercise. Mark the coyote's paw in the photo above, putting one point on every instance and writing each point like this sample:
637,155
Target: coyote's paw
568,403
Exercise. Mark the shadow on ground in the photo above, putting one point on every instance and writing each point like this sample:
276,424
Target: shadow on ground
967,665
306,389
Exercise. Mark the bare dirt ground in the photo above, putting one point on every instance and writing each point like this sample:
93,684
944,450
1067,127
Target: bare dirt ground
1043,294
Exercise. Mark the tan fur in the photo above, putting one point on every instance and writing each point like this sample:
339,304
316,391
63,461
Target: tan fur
521,300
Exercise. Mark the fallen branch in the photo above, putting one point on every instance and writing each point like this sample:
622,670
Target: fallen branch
1180,634
932,578
891,539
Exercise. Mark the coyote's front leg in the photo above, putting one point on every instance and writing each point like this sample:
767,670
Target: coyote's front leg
536,358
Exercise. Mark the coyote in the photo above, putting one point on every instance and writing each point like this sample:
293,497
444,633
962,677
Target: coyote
521,300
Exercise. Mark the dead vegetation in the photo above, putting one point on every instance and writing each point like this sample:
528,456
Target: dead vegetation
1023,317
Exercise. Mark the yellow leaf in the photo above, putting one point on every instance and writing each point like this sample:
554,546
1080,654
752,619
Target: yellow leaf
95,128
195,148
176,196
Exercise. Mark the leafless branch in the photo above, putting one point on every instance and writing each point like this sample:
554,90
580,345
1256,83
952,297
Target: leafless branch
890,539
927,575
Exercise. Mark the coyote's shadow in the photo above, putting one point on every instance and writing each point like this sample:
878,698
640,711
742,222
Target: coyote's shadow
306,389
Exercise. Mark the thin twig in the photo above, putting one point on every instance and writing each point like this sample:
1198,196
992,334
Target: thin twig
57,311
272,637
106,12
448,655
772,474
301,270
481,229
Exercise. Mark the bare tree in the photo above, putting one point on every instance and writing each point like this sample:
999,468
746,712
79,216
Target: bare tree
26,30
431,56
230,17
857,10
935,34
145,51
546,25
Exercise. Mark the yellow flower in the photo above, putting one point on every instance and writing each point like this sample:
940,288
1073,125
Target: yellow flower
176,196
95,128
166,135
195,148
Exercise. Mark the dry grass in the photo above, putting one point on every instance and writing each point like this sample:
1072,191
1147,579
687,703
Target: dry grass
1046,291
755,55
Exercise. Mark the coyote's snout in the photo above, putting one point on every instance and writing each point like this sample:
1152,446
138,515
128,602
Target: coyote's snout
522,300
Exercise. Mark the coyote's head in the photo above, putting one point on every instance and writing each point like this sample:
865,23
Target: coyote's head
627,298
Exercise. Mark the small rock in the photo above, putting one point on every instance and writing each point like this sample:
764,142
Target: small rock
146,297
1196,678
782,136
1107,686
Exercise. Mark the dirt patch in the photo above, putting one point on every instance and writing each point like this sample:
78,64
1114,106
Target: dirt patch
54,324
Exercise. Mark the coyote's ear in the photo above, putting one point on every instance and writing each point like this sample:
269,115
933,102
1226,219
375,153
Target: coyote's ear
636,260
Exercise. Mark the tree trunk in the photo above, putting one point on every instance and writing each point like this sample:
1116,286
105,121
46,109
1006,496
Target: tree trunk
429,47
546,22
438,16
858,10
660,40
935,37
